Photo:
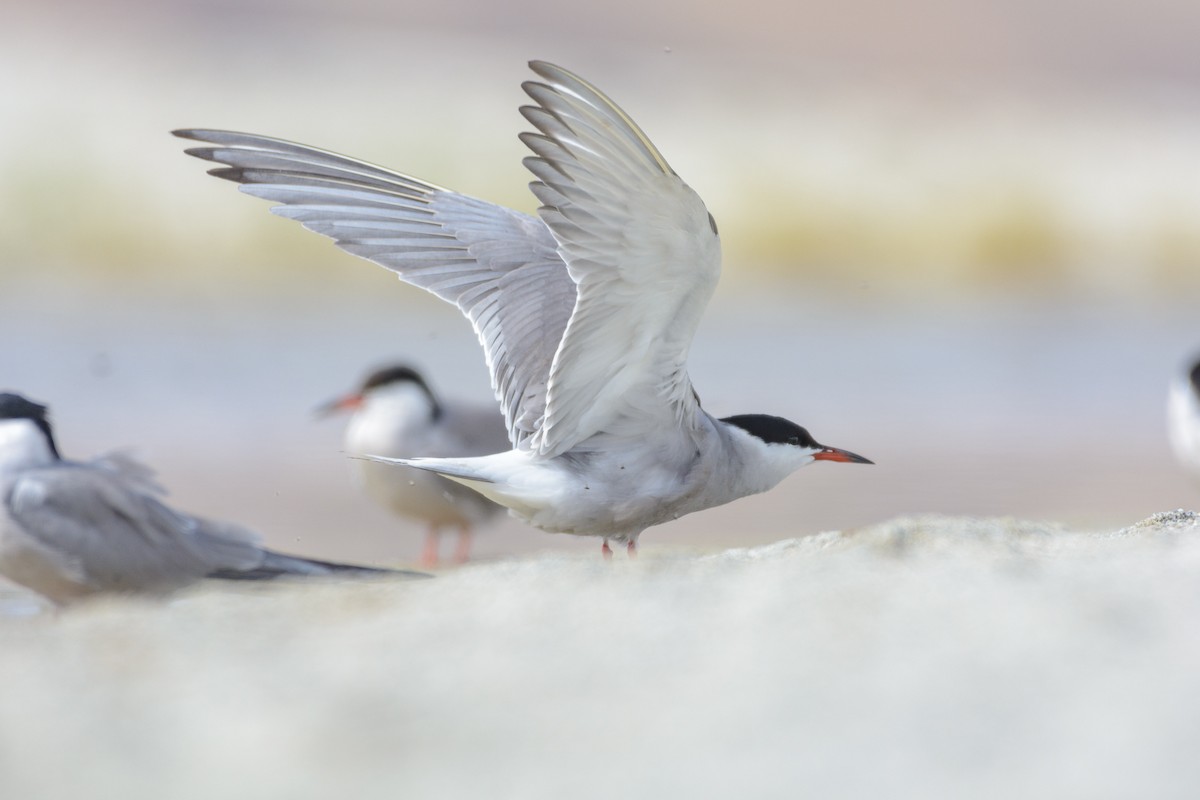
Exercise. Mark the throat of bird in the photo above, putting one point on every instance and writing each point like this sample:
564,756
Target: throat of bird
23,445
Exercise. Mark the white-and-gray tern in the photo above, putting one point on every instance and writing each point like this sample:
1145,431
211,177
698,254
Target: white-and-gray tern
395,414
71,529
1183,419
585,312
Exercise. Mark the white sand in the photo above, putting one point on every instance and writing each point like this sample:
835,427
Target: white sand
925,657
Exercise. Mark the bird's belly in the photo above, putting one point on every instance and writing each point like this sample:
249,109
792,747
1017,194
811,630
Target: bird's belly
615,503
421,495
600,520
34,568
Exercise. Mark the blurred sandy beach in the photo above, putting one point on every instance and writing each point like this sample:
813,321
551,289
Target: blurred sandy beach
925,657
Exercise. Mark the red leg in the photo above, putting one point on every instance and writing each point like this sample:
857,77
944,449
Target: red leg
631,548
606,551
463,553
429,556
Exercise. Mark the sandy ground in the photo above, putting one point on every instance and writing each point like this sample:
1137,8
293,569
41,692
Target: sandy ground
923,657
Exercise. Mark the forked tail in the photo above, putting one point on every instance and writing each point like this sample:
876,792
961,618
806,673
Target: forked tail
491,476
463,470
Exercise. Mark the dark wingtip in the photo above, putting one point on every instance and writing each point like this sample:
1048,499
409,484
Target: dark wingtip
549,71
526,110
235,174
531,88
270,572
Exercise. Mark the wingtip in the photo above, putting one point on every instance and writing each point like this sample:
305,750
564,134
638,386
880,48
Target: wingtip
234,174
551,72
205,153
562,82
217,136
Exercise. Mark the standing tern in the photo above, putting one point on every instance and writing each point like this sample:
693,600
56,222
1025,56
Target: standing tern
396,414
71,529
1183,419
585,312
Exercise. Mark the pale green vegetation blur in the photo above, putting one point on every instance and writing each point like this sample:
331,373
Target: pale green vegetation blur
843,183
889,213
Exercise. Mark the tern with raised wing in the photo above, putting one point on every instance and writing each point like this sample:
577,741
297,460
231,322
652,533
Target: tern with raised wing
585,312
73,529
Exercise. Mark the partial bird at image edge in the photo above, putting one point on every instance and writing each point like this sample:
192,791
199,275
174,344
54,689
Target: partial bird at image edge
74,529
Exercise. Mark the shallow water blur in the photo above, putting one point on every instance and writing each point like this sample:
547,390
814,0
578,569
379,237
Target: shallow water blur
1035,408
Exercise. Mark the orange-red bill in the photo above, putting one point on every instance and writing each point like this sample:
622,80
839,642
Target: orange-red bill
843,456
347,403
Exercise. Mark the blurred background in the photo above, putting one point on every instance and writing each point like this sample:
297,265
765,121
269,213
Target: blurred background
962,239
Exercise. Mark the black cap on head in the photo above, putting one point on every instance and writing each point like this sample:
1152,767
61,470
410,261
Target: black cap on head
1196,377
401,373
773,430
14,406
396,373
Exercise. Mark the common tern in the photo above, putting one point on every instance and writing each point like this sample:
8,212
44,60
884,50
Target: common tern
585,312
1183,419
71,529
394,414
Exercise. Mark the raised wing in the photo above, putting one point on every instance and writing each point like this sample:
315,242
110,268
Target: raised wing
115,536
643,250
500,267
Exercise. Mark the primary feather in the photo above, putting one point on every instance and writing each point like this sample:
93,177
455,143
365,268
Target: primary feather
619,237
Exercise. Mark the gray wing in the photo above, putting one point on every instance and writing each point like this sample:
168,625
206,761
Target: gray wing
475,430
132,472
644,252
116,536
500,267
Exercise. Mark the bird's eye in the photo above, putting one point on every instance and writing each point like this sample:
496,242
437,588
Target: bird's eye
794,440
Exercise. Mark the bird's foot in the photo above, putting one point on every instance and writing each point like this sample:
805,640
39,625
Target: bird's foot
631,548
429,554
462,554
606,551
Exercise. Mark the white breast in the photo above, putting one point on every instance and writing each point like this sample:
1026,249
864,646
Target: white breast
23,445
1183,425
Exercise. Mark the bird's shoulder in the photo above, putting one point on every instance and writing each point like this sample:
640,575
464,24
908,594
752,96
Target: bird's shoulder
73,500
475,428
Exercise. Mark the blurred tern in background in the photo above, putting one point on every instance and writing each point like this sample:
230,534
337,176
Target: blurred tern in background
71,529
396,414
585,313
1183,419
